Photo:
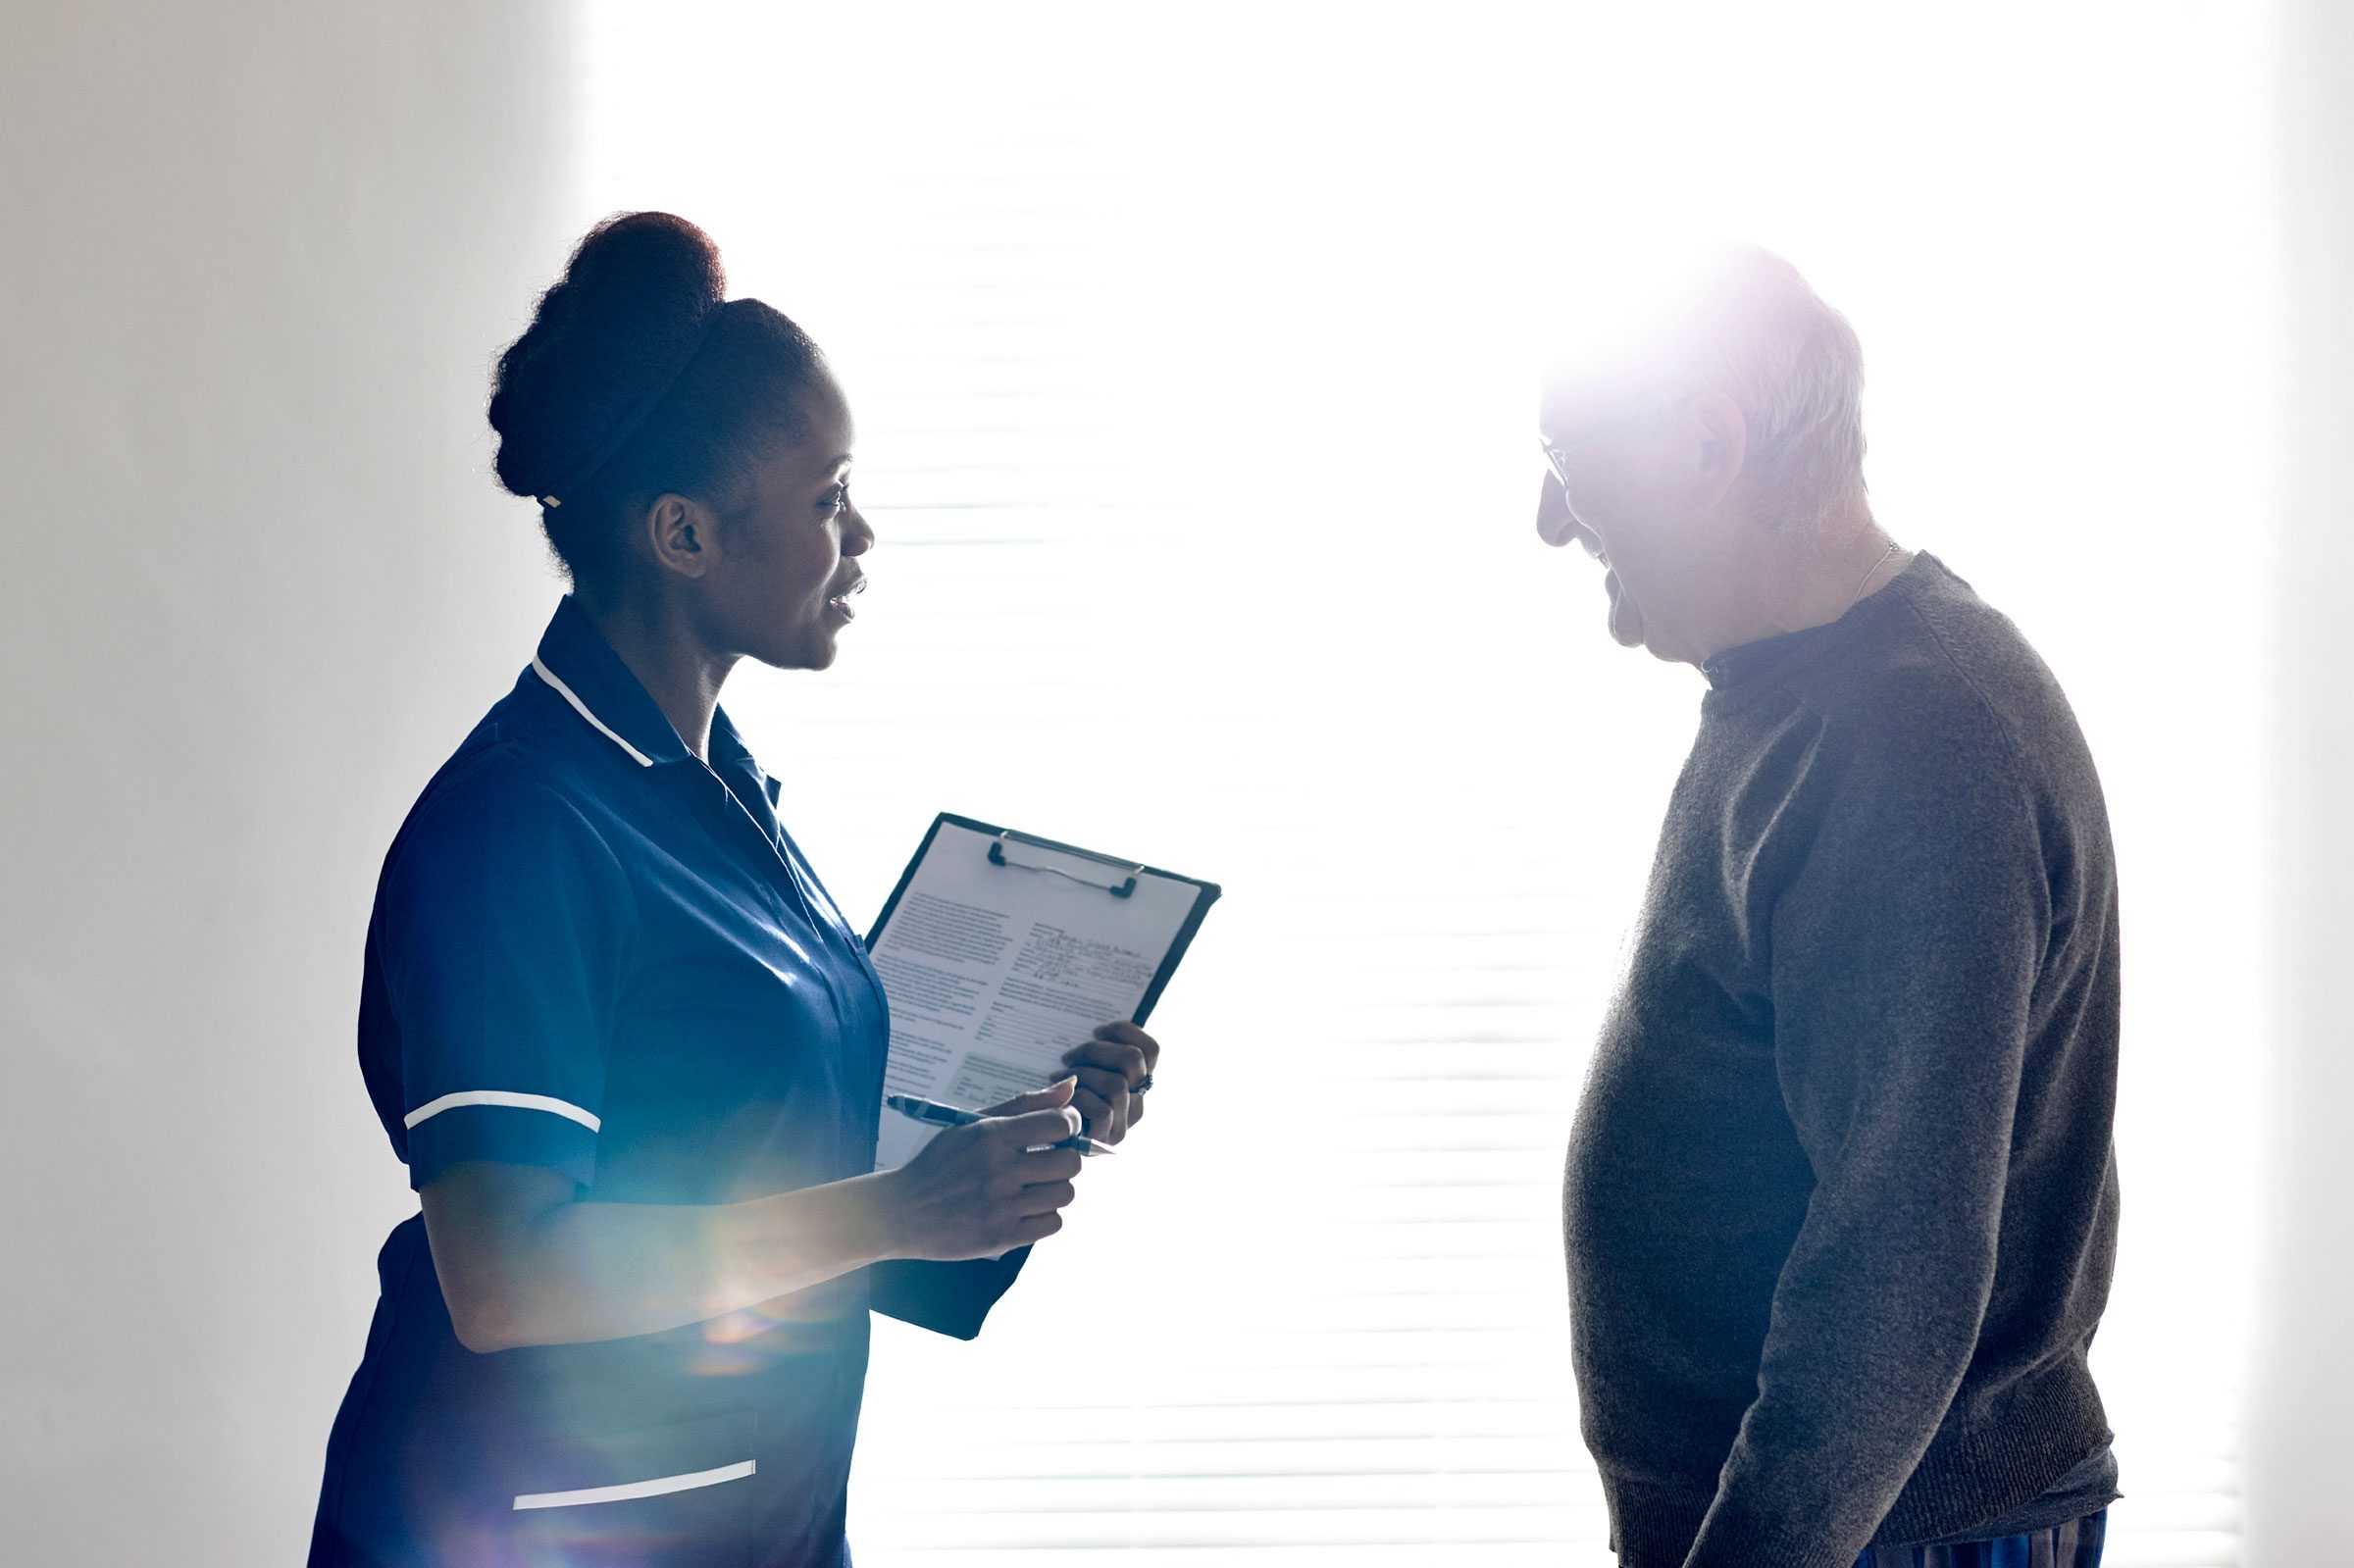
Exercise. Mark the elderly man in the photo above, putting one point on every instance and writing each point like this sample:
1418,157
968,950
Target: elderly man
1840,1205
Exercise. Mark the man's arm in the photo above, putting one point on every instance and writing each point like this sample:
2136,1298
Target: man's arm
1904,957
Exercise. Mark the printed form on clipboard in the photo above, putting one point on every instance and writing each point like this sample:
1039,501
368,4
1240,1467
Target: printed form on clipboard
1000,951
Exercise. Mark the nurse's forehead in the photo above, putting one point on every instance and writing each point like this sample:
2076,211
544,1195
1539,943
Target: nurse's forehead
827,432
824,407
828,441
815,458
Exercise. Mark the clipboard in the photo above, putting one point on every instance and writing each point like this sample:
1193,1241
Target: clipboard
999,951
1119,880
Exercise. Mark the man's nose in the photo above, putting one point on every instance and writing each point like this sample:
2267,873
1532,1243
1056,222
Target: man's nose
1555,525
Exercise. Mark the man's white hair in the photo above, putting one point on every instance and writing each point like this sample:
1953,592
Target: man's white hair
1743,323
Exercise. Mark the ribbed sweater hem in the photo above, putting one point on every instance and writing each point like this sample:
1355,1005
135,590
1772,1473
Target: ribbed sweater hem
2018,1442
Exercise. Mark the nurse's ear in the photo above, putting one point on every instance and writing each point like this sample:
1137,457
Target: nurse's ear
682,534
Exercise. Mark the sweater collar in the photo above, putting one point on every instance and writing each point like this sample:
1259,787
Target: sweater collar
1752,661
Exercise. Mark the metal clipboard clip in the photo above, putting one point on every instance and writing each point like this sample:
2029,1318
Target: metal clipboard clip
1118,890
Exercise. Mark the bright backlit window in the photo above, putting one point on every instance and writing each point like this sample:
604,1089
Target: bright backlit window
1192,352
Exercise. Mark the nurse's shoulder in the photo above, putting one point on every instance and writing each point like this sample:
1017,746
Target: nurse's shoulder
517,817
523,763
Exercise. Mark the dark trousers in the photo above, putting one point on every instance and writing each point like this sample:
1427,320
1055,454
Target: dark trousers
2075,1544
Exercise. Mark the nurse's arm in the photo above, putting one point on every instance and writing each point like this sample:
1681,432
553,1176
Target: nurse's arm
522,1261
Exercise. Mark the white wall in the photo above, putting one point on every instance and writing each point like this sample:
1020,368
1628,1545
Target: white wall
2301,1448
255,259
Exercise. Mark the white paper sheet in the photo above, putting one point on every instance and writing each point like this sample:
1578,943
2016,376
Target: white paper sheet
993,972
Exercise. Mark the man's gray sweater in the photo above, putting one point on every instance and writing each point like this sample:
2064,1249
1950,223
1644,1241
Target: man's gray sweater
1840,1206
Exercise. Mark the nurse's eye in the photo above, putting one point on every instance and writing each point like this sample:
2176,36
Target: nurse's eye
834,500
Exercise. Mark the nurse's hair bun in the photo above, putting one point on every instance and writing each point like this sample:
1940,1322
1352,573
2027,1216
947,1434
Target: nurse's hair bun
613,330
638,377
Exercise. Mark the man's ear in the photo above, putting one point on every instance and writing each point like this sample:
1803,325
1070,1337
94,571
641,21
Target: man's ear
683,533
1720,447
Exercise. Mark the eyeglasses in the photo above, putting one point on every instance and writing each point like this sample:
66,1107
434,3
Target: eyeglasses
1558,453
1557,457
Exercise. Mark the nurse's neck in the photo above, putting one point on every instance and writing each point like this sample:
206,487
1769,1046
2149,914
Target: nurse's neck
659,646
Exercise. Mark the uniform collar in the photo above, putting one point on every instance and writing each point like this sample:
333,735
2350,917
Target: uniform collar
580,666
725,743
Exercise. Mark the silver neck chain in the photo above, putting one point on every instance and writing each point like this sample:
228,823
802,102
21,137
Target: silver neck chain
1867,576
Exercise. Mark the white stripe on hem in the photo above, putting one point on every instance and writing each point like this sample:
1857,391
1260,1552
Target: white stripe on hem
582,708
501,1097
636,1489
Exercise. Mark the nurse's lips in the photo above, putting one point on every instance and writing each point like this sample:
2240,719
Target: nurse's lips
840,601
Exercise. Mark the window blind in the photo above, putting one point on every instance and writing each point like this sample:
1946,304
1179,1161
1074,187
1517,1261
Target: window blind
1191,366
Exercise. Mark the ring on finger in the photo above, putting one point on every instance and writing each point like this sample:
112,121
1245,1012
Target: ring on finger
1141,1084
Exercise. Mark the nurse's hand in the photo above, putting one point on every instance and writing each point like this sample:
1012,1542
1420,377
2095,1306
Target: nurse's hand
991,1186
1114,1069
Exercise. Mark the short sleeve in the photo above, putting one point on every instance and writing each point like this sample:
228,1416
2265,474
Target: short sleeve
501,928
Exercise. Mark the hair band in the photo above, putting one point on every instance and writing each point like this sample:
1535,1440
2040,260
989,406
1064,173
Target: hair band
636,417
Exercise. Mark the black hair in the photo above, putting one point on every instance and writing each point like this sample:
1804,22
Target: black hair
640,327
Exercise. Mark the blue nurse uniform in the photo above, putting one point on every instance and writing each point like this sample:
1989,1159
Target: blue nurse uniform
595,952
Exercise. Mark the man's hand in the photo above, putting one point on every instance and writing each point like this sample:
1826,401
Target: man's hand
1114,1069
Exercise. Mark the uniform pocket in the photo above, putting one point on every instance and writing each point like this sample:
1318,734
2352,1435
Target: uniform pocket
678,1496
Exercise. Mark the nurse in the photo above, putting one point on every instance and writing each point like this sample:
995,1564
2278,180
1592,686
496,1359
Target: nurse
629,1048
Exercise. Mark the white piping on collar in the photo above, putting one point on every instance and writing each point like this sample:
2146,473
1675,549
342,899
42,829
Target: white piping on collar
582,708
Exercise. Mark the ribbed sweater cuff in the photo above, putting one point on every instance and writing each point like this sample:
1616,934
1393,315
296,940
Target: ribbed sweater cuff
1653,1525
1733,1537
1658,1527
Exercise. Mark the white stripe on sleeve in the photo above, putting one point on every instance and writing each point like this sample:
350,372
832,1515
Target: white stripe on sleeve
500,1096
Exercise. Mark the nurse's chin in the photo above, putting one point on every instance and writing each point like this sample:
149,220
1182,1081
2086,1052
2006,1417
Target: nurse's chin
802,653
801,641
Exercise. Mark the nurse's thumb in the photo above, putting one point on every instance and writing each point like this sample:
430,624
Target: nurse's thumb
1053,1096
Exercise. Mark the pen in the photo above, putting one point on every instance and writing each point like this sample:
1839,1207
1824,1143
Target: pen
939,1115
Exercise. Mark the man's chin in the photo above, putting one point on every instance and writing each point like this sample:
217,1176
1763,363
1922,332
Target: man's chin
1626,620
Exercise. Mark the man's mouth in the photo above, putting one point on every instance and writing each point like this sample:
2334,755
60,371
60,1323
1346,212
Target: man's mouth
839,602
